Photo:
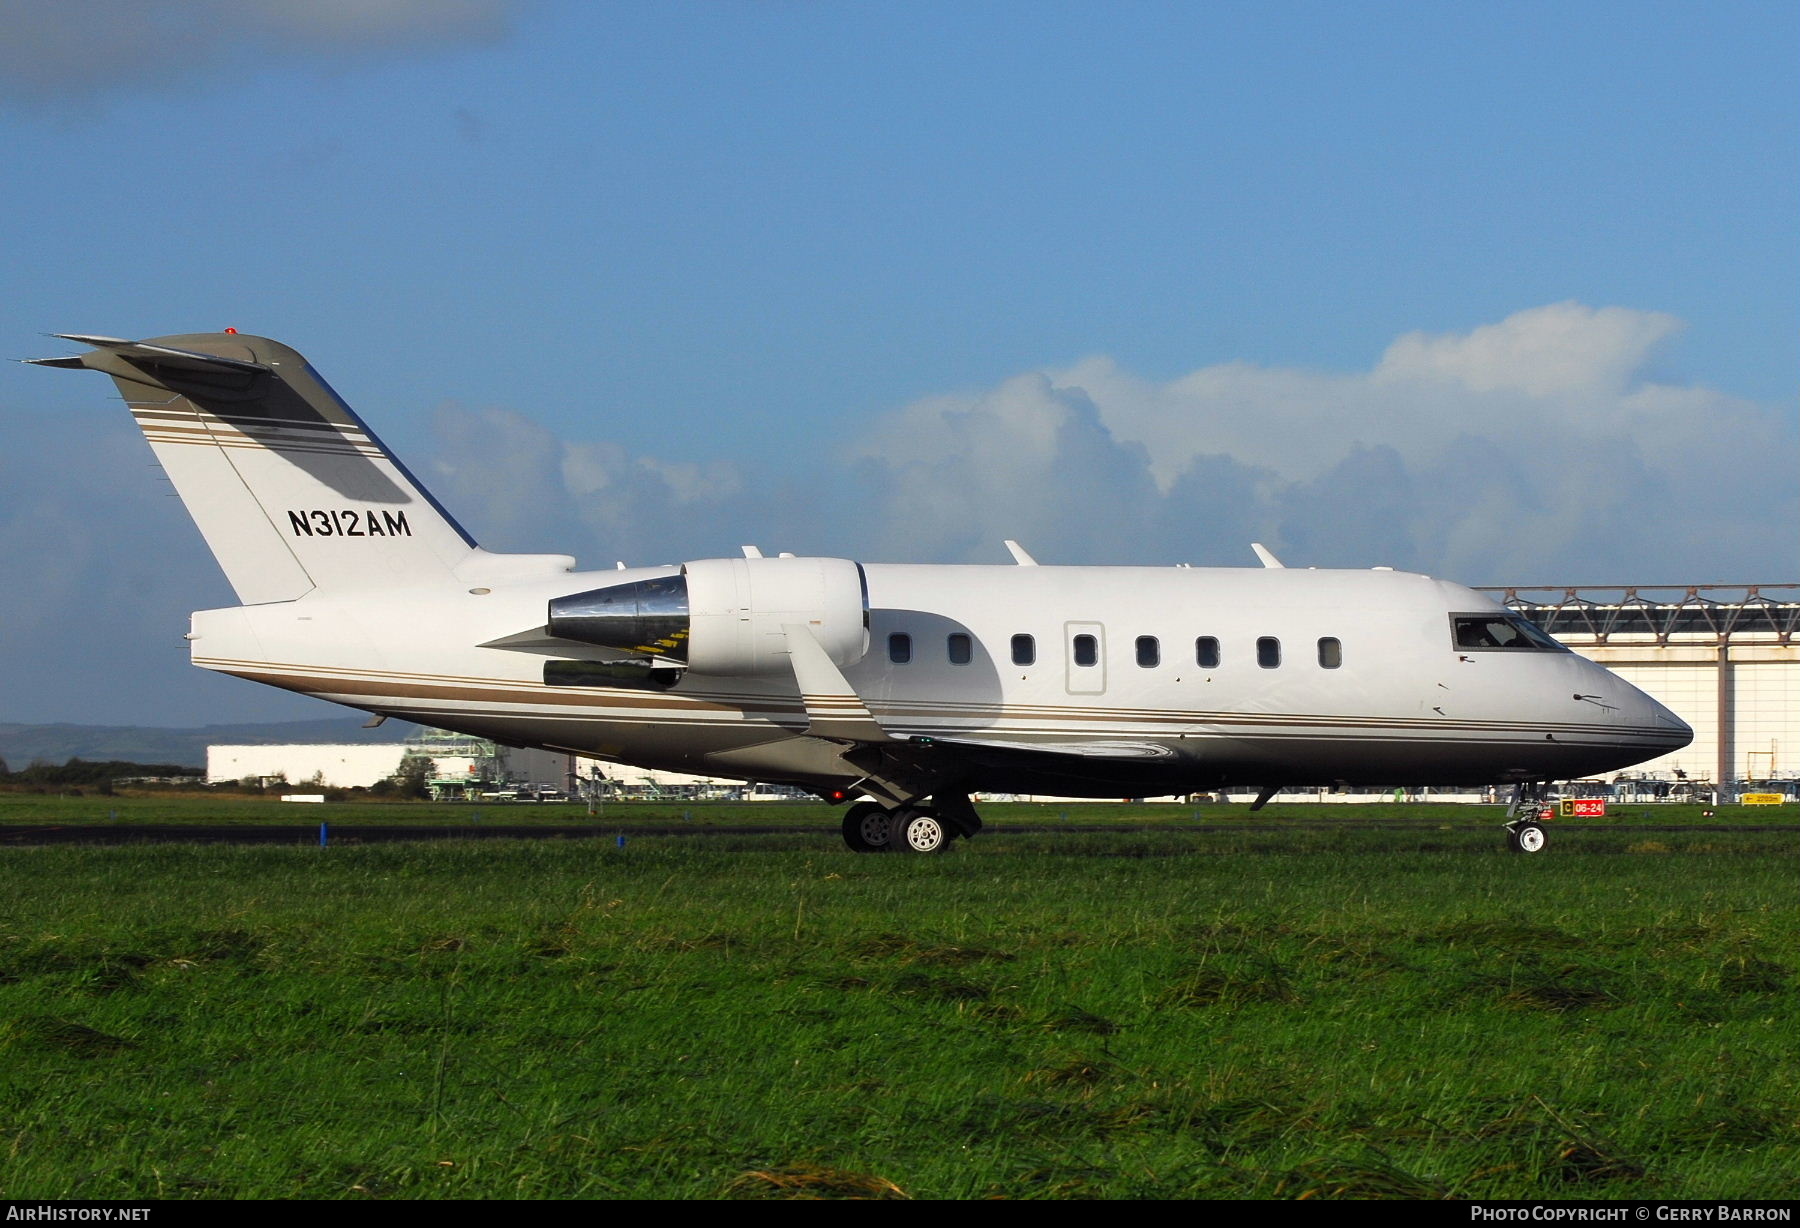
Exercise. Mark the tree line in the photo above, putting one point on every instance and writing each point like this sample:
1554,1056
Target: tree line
90,772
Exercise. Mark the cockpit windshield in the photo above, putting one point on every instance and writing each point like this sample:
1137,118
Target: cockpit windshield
1508,632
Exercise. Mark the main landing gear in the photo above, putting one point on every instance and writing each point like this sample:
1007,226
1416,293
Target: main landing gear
870,827
1523,832
866,827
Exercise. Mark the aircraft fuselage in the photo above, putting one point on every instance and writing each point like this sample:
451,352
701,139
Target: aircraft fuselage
1181,678
916,685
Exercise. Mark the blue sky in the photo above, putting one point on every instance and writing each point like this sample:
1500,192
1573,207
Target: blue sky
1498,291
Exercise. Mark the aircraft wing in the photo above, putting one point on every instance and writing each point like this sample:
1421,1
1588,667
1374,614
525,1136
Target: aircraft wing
837,713
1115,751
1101,768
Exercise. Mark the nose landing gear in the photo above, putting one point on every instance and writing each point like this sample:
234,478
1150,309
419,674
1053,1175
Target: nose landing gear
1523,832
1525,838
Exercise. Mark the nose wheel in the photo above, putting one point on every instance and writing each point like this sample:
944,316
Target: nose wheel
1523,832
1525,838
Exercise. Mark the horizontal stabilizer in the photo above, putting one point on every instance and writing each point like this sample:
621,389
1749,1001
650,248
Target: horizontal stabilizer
94,339
163,355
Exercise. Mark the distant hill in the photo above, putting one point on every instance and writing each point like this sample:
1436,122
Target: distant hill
21,745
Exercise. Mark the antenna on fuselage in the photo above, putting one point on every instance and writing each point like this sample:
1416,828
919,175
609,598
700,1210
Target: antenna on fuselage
1268,559
1021,556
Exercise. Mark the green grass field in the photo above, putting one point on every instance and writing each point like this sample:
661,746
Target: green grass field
1174,1012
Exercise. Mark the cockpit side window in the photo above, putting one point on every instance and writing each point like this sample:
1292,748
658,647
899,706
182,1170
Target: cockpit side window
1505,632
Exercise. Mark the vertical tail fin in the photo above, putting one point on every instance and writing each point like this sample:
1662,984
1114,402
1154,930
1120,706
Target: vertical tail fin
291,491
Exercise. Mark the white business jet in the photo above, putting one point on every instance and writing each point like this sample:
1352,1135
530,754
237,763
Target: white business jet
911,687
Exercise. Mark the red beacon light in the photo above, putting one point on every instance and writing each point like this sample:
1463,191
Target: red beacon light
232,331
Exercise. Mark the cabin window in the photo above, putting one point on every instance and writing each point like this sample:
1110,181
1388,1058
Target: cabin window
1504,631
960,649
1206,652
1024,650
1268,652
1149,652
1087,650
899,648
1331,653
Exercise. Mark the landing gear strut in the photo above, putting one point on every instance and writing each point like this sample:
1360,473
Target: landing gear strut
1523,834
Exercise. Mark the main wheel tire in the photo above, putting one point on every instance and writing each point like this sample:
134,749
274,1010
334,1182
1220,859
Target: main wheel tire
919,831
1526,838
866,827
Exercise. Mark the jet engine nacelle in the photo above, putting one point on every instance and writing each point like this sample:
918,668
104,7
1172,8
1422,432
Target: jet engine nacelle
725,616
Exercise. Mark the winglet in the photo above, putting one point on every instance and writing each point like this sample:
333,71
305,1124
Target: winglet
1268,559
833,708
1020,556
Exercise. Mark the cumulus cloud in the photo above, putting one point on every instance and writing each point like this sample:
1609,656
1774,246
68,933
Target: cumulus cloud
1536,445
75,51
589,496
947,471
1564,371
1560,350
1535,449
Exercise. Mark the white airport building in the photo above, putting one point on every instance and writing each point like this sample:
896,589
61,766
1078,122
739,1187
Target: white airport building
460,766
464,769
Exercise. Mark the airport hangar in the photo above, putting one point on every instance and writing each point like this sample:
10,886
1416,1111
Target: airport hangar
1724,657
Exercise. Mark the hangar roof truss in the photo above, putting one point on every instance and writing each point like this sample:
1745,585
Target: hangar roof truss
1695,614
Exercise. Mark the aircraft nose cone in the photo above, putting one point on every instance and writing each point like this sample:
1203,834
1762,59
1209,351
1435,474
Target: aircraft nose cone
1647,718
1678,732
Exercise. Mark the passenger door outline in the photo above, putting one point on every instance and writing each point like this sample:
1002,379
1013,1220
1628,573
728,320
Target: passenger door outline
1085,679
